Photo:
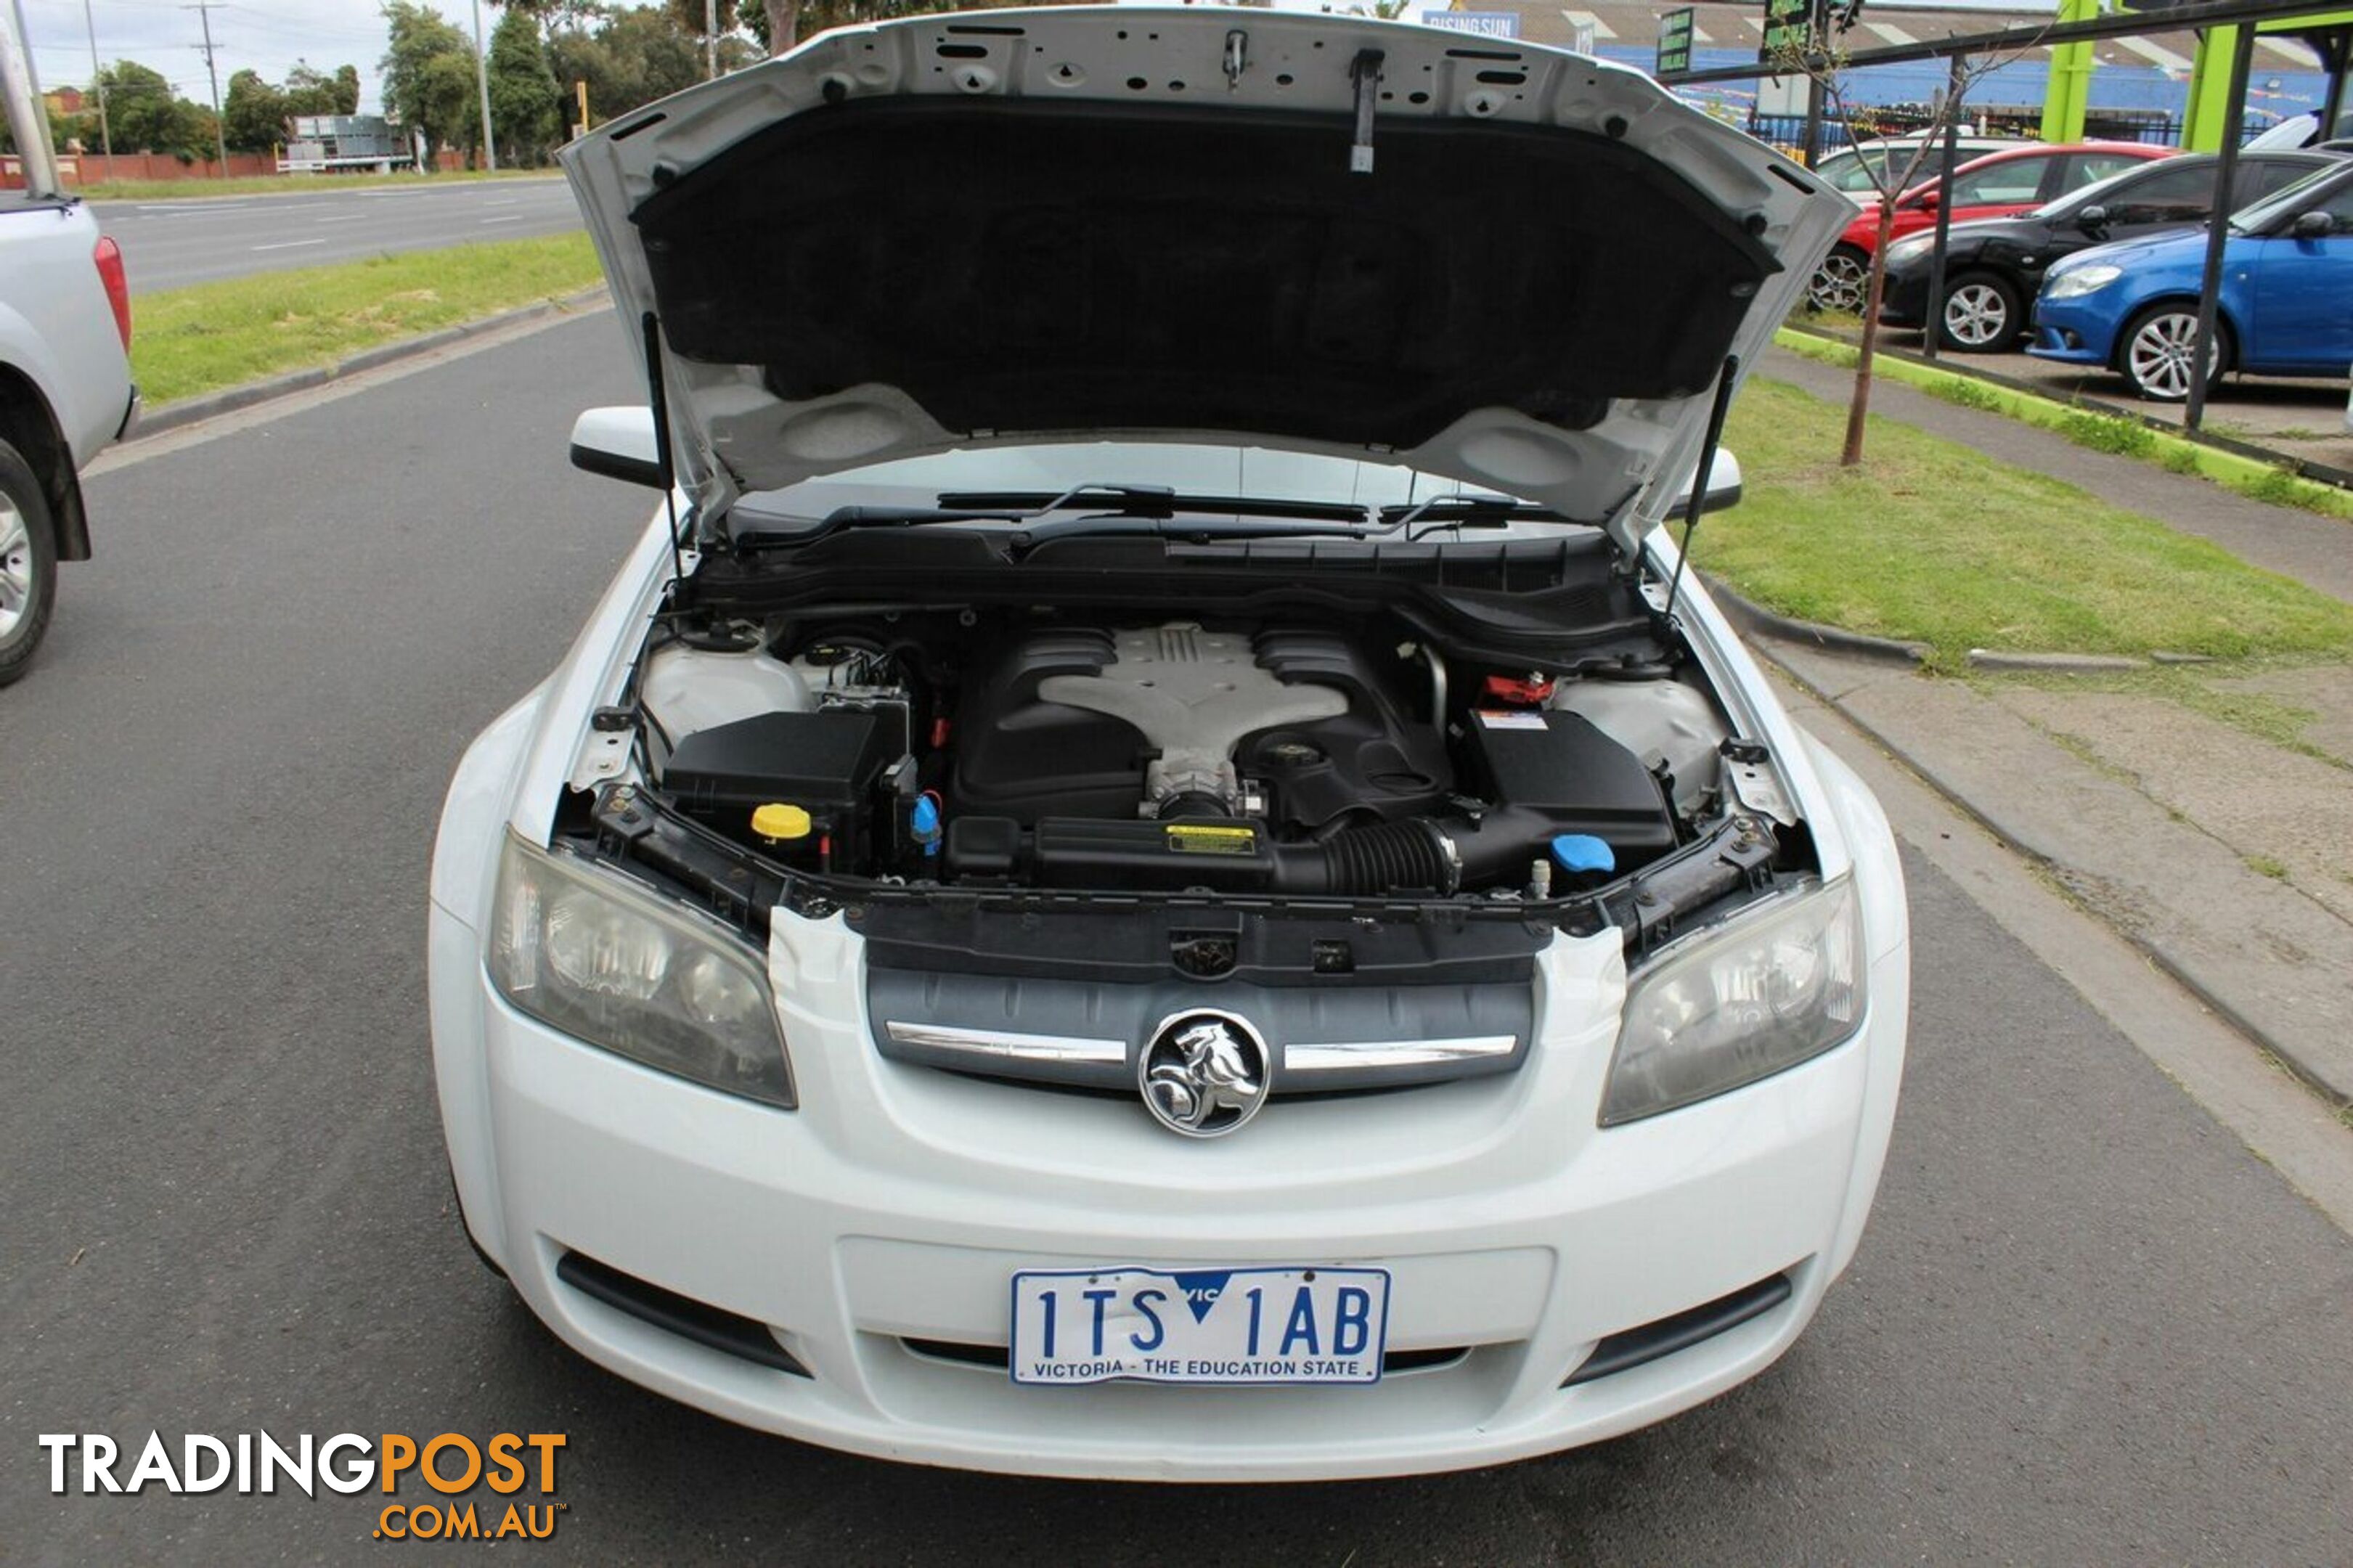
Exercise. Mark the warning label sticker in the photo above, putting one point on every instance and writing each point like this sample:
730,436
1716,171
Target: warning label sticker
1211,838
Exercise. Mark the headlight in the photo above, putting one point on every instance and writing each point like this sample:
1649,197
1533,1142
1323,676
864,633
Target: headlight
2081,280
590,954
1911,249
1774,987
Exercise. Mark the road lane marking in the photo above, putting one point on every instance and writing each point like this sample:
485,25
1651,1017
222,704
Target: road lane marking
515,217
354,217
289,244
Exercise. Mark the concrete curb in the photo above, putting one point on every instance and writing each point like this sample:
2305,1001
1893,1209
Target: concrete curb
1994,821
2048,663
1759,621
189,410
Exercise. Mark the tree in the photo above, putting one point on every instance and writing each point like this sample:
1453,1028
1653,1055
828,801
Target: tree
428,77
147,115
523,89
636,56
347,90
1818,56
253,114
308,91
778,25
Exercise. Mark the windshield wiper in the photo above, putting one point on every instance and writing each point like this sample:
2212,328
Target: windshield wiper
1105,508
1463,510
1103,498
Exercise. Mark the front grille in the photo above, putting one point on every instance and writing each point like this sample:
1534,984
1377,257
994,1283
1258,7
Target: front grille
1000,1358
1634,1347
712,1327
1086,1034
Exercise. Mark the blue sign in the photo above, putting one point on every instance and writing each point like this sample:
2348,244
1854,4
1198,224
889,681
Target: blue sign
1490,24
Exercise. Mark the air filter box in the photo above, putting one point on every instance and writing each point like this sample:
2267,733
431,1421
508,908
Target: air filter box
1583,782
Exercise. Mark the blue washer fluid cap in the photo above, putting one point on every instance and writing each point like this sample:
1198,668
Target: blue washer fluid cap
923,821
1583,852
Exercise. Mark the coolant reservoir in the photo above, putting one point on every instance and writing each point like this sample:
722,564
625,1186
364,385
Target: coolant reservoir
692,689
1657,721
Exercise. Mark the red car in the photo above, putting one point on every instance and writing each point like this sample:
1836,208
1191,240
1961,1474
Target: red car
1996,185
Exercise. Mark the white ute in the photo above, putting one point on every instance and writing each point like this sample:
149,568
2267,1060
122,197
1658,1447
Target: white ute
1162,878
64,370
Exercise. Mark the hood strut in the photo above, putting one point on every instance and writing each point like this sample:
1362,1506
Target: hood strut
664,458
1365,72
1715,412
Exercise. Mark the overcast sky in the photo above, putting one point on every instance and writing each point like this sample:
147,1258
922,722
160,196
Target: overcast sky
266,36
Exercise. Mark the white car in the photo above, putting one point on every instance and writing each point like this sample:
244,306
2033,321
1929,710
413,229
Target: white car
1161,881
65,369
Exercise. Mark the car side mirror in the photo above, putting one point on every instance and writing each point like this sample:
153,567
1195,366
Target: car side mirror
2092,219
2313,226
1722,485
1928,201
618,443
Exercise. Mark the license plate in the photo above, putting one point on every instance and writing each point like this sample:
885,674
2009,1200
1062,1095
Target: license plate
1199,1325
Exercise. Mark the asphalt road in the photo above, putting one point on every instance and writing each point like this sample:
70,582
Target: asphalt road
171,244
2088,1325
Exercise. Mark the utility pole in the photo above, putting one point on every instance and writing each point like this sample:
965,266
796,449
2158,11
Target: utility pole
711,40
482,81
98,86
203,10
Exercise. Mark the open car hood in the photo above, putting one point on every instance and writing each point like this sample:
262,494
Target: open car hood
1520,269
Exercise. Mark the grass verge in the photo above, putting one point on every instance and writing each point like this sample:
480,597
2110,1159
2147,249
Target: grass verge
186,342
2269,482
1934,541
288,185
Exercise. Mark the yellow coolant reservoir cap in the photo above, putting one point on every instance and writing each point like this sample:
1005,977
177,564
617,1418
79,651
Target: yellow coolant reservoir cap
778,821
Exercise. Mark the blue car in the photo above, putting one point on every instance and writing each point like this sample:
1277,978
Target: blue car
2286,305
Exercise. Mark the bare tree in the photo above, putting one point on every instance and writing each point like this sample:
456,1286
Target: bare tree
1897,170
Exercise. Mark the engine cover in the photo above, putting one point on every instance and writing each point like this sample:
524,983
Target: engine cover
1084,722
1192,695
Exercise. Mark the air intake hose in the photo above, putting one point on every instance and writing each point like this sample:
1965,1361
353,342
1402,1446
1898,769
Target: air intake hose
1419,853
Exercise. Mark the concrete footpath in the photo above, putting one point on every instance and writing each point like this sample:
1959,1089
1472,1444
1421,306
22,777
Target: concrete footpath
2206,812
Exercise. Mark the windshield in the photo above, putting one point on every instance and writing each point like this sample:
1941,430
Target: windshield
2286,200
2096,194
1861,169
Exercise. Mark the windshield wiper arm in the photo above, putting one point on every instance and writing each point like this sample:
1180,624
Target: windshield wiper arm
1464,509
966,508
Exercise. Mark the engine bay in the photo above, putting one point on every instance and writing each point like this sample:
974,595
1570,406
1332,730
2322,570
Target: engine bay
996,749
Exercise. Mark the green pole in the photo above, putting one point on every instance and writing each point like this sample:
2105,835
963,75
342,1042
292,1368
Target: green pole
2204,117
2071,78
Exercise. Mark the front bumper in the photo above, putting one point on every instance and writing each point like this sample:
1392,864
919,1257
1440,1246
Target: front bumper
1904,299
2070,333
874,1233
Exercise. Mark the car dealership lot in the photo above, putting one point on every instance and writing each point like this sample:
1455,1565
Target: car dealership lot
2086,1323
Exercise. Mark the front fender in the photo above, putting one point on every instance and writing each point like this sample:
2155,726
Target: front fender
463,880
1887,938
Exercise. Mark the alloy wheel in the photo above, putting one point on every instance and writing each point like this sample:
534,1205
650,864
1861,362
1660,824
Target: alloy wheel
16,583
1977,316
2158,358
1841,282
